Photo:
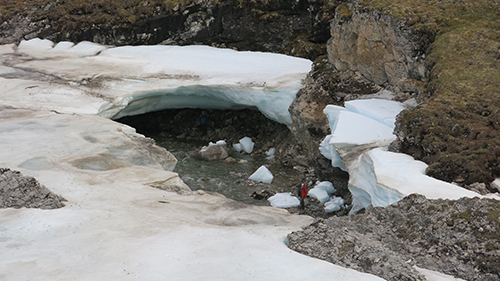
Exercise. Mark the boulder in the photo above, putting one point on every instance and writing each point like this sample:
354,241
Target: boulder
213,152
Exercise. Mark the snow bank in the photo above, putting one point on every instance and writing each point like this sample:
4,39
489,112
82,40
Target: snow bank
123,220
126,217
262,175
39,48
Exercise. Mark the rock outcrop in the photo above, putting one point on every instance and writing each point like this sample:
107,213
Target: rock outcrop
385,51
323,86
369,51
459,238
18,191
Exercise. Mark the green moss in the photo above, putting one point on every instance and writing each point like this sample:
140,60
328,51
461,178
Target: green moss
492,246
6,14
463,216
344,10
66,15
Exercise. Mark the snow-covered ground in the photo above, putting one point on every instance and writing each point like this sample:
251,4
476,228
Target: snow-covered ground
116,225
127,217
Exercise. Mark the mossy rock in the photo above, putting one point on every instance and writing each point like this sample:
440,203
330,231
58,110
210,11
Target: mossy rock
456,131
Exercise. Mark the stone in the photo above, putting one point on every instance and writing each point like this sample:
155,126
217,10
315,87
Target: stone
229,160
263,194
300,30
213,152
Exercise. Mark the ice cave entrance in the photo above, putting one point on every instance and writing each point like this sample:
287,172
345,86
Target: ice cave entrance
180,132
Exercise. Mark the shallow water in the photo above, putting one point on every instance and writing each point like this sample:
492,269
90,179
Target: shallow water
229,179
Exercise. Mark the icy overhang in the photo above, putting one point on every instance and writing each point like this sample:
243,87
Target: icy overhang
132,80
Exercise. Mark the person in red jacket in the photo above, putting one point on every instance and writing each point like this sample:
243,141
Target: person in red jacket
303,195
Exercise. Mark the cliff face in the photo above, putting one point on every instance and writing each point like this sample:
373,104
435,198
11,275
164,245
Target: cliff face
380,48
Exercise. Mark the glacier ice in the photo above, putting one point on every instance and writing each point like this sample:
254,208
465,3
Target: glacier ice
270,153
262,175
330,152
322,191
283,200
221,142
138,79
334,204
237,147
319,194
326,186
383,111
247,144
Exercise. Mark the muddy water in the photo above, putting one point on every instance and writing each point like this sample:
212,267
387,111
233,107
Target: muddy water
229,179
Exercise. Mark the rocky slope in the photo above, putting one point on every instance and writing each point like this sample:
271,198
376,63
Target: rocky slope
381,49
460,238
18,191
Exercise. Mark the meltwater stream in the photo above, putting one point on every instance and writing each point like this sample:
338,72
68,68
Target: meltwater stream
228,179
